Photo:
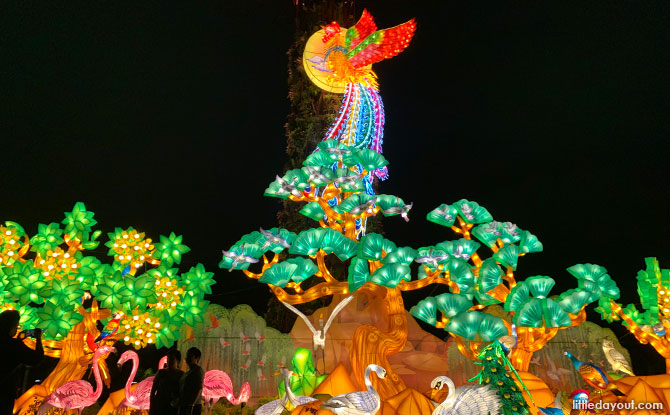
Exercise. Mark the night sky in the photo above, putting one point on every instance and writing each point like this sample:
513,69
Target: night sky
169,116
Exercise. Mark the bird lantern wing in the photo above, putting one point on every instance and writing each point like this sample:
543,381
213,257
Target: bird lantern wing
362,29
476,400
301,315
618,357
380,45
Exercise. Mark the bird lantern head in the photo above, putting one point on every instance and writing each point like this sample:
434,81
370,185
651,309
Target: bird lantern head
330,30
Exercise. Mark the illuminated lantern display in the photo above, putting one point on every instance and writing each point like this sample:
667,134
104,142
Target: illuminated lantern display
339,60
139,298
651,326
334,186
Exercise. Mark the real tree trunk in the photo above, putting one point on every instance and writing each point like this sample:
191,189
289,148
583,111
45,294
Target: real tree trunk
72,365
371,345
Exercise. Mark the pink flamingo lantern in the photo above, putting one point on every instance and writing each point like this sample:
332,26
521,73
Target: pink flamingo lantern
140,397
217,384
77,394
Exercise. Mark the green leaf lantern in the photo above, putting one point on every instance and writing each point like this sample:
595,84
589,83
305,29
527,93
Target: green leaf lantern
474,324
373,246
307,242
510,233
197,280
471,212
29,317
297,178
358,273
648,281
605,310
404,256
354,201
540,286
508,256
90,270
192,309
63,291
488,233
57,320
249,250
48,237
462,248
491,328
78,222
170,321
594,279
338,244
319,159
460,273
537,311
275,189
390,275
142,292
425,310
23,283
333,144
529,243
453,304
465,324
573,300
320,176
490,275
305,268
313,211
252,238
170,249
444,215
112,292
388,202
431,251
294,269
370,159
349,181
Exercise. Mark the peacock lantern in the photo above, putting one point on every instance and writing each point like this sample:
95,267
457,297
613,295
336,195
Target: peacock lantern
339,60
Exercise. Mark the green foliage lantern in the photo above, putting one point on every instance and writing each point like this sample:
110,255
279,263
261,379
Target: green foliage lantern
328,184
651,323
54,290
305,379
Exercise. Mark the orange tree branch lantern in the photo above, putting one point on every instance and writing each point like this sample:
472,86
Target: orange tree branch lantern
652,325
139,297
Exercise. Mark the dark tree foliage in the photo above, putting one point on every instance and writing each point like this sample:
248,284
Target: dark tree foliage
312,112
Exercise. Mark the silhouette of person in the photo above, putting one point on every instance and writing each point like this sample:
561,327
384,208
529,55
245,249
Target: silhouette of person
13,354
165,390
190,385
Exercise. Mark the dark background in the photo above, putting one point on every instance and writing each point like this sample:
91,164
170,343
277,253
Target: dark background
168,116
